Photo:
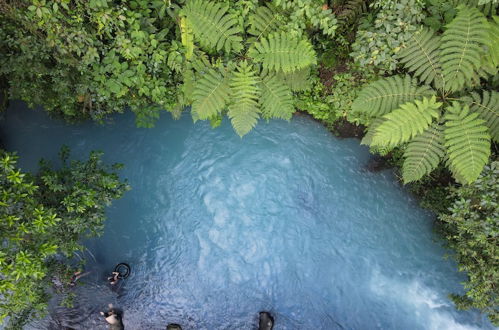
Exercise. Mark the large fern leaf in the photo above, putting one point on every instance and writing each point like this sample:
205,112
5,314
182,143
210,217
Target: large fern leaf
404,123
487,106
213,25
283,52
423,154
211,94
187,37
263,21
298,80
387,94
243,110
276,100
462,47
421,57
490,61
467,142
371,129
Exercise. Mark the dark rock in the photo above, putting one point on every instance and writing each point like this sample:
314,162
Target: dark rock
266,321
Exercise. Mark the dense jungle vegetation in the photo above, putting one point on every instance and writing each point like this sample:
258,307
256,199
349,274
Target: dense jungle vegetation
421,76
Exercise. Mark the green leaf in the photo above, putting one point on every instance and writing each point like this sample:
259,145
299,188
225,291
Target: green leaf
387,94
404,123
467,142
462,47
421,57
243,110
297,80
423,154
283,52
276,100
213,25
263,21
487,107
210,95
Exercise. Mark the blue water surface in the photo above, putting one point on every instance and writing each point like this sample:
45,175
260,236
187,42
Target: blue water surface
217,228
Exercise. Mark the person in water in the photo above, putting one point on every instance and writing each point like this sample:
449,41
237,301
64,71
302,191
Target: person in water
114,278
173,326
76,276
113,318
266,321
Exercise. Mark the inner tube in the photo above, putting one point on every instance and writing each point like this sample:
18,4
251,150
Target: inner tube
123,269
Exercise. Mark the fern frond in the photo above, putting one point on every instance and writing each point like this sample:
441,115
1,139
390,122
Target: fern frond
467,142
387,94
213,25
297,80
462,47
404,123
368,137
277,100
484,2
423,154
283,52
421,57
243,110
487,7
263,21
487,107
490,62
187,37
211,94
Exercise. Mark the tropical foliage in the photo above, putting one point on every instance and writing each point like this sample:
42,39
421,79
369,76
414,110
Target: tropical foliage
43,219
88,59
433,110
384,32
472,231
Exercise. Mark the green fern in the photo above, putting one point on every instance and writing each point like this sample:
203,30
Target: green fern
487,7
462,47
368,137
371,129
387,94
423,154
243,110
263,21
487,107
404,123
187,37
283,52
490,61
211,95
298,80
213,26
467,142
277,100
421,57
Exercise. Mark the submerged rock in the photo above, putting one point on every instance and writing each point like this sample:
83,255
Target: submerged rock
266,321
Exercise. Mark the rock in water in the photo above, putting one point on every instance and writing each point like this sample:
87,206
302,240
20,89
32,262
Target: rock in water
266,321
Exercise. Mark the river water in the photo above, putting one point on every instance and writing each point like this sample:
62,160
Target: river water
217,228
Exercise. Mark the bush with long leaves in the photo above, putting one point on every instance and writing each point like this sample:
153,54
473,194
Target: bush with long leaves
440,110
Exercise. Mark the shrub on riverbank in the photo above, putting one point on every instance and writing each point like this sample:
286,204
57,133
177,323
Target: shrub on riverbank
44,217
471,227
